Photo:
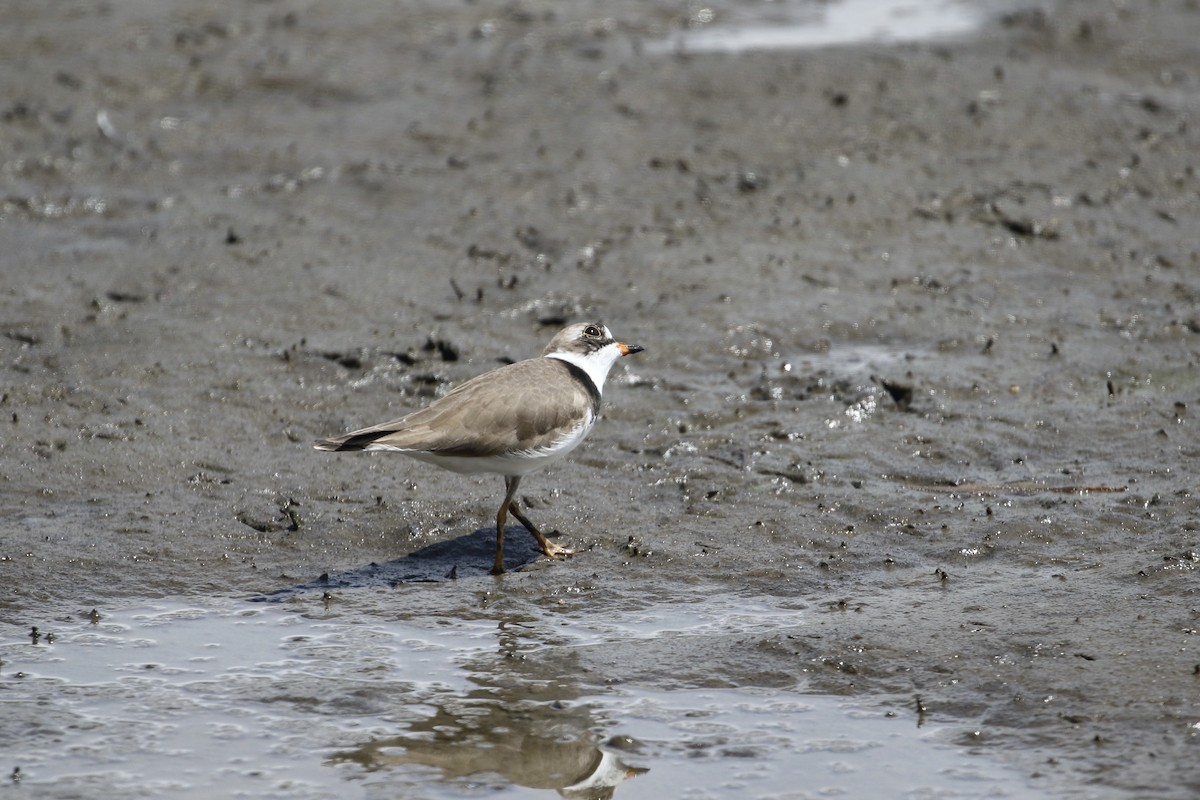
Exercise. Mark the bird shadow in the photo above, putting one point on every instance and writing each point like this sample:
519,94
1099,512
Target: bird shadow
466,556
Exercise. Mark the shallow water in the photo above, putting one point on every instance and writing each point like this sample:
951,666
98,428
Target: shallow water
792,25
314,700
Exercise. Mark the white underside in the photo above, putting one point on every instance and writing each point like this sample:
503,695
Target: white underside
517,462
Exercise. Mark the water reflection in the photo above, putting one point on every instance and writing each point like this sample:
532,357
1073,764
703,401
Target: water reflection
520,722
456,698
535,745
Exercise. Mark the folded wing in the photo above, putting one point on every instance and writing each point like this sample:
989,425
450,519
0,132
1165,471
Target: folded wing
480,419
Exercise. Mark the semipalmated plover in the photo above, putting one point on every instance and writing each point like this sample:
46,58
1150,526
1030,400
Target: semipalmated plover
512,420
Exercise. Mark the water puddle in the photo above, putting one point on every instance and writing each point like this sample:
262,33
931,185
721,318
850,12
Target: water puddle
794,25
263,701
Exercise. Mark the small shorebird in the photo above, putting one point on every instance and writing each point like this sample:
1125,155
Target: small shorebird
510,421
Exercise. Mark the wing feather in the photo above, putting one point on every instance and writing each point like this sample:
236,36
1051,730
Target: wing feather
480,418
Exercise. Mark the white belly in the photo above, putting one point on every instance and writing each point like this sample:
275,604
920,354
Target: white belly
517,462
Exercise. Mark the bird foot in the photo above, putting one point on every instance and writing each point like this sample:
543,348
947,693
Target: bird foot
552,550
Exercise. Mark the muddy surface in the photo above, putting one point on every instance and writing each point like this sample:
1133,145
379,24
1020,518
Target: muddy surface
921,320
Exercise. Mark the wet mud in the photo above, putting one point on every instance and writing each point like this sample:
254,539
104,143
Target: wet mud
921,320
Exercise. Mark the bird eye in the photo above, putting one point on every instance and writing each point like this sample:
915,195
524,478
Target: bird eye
591,330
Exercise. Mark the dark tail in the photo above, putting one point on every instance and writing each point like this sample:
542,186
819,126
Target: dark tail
349,441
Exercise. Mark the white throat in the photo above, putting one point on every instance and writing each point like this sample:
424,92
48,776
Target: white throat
595,364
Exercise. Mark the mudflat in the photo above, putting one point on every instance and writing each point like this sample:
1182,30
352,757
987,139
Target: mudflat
921,320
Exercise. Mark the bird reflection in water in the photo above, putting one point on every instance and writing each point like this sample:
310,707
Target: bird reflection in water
536,745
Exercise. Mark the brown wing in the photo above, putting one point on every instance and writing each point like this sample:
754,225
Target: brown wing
520,406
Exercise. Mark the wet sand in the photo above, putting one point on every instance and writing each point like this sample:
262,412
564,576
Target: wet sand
921,327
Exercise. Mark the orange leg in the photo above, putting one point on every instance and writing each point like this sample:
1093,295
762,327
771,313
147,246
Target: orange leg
550,549
510,483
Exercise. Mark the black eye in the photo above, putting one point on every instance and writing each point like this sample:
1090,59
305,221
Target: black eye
592,330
